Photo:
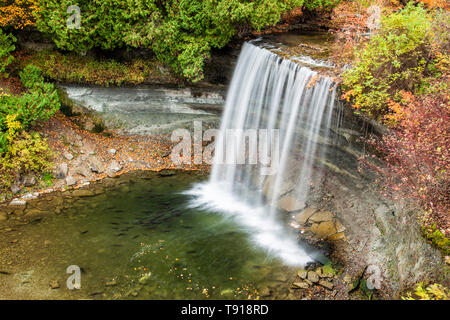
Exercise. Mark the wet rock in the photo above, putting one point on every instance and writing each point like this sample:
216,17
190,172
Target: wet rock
113,168
301,285
321,216
285,187
83,193
324,229
303,274
70,181
132,293
3,216
303,216
61,171
18,203
289,203
313,277
111,283
339,226
280,276
32,212
319,272
337,236
145,278
54,284
326,284
265,292
68,155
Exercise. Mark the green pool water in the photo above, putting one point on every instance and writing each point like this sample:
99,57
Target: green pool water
139,240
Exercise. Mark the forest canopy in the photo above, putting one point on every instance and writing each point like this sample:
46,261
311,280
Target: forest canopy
181,33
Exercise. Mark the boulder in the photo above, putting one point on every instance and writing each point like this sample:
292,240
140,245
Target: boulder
303,274
303,216
324,229
61,171
96,165
321,216
313,277
113,168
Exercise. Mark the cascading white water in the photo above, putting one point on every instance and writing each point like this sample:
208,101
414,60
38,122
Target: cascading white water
269,92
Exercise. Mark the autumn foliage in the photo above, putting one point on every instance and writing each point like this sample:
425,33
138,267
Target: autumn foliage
17,13
417,156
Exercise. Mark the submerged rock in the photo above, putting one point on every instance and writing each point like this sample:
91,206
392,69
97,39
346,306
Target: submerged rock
54,284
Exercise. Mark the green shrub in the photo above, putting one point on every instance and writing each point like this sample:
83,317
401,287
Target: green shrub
25,153
38,104
73,68
6,47
181,33
431,292
437,238
402,56
31,76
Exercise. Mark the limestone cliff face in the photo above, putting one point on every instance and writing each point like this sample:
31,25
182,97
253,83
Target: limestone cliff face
381,237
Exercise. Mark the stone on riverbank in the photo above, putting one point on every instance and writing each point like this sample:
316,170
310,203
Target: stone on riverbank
313,277
18,203
61,171
300,285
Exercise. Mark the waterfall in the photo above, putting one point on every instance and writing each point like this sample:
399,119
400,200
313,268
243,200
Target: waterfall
269,94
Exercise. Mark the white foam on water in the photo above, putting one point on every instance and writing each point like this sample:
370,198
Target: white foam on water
270,93
266,233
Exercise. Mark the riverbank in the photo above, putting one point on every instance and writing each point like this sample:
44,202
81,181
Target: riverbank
80,157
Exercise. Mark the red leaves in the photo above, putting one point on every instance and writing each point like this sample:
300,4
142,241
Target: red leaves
416,154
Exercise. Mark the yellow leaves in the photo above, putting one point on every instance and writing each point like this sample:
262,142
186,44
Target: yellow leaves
18,14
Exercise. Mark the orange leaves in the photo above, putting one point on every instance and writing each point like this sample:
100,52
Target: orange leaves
436,3
18,13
